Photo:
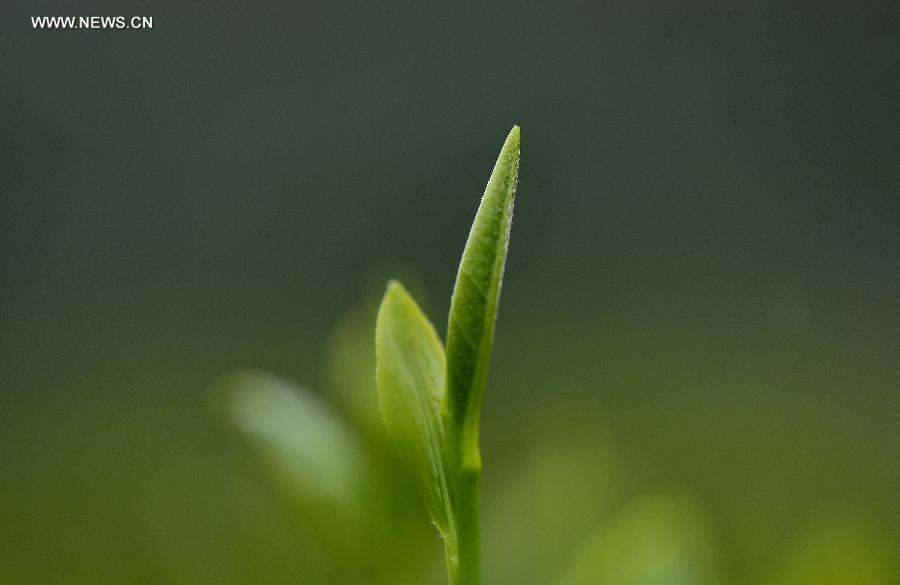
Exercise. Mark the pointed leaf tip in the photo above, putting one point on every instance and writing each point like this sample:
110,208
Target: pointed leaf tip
515,133
473,307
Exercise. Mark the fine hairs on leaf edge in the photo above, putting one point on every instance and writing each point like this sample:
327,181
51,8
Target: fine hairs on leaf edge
475,300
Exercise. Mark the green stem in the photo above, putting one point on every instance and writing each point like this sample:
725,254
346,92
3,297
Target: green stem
452,558
468,529
462,548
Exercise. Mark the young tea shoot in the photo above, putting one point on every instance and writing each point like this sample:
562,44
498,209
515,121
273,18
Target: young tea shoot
431,398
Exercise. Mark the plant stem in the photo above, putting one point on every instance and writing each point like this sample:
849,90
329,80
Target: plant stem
452,559
468,529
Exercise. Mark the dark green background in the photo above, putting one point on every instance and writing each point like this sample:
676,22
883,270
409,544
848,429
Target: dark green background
705,258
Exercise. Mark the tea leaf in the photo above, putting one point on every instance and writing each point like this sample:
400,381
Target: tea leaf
410,374
303,441
473,307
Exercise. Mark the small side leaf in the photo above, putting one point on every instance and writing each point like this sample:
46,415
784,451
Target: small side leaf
410,374
473,307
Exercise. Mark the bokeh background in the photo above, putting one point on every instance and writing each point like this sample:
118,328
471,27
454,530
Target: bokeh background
696,375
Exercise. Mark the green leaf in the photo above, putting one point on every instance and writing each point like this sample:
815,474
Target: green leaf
410,374
302,440
473,307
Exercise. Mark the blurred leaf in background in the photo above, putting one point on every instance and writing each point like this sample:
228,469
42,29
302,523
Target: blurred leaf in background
839,547
657,539
541,504
342,484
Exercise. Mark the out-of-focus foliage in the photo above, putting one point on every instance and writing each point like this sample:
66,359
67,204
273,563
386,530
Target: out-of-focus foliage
350,366
839,547
570,506
655,540
301,438
558,516
569,510
339,482
542,505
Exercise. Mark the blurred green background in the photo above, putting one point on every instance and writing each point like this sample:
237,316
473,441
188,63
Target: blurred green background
696,375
